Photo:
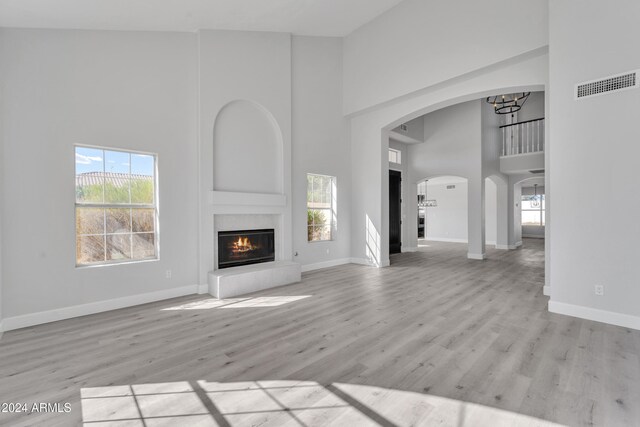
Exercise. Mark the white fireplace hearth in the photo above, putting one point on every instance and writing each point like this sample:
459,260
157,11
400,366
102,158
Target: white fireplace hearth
243,211
235,281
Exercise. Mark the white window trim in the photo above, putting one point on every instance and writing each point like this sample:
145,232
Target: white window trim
333,209
105,206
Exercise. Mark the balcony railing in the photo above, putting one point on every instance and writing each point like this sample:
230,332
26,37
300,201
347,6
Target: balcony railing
523,137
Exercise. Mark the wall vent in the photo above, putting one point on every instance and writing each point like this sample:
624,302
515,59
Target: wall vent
606,85
451,187
403,127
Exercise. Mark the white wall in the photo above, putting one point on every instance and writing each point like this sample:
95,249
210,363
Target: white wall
448,220
453,147
491,208
594,151
420,43
320,144
370,159
114,89
415,129
2,193
248,68
533,108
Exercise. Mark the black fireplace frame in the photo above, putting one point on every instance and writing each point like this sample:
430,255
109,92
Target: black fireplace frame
229,264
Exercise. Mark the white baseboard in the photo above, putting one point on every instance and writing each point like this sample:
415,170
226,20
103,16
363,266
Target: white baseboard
610,317
534,236
203,289
446,239
360,261
475,256
26,320
1,328
504,247
546,290
409,249
325,264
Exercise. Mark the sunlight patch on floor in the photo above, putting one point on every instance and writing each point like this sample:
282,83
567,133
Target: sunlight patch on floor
254,302
282,403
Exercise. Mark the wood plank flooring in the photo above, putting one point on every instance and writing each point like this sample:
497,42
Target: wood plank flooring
434,339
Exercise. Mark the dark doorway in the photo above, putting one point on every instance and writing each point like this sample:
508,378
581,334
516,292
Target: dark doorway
395,220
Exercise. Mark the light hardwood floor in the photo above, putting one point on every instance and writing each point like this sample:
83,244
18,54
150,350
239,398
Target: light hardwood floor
434,339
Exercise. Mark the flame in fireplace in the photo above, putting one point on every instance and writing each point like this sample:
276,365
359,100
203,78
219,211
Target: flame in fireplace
242,245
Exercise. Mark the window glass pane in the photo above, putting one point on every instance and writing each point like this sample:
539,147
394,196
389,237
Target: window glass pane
89,175
118,247
531,217
114,233
317,233
143,220
118,220
116,188
317,189
317,217
320,218
89,249
116,185
309,189
325,232
117,162
326,191
142,174
143,245
89,221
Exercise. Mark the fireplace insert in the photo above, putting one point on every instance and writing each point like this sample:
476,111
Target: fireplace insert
244,247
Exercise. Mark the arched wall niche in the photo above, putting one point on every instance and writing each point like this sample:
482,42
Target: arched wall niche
247,149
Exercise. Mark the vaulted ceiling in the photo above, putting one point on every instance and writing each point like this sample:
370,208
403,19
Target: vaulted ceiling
304,17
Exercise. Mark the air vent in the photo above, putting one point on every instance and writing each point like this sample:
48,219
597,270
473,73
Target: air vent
607,85
537,171
451,187
403,127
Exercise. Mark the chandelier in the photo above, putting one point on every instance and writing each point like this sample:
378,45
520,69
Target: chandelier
536,202
508,104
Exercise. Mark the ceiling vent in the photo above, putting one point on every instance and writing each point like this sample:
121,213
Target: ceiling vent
606,85
451,187
403,127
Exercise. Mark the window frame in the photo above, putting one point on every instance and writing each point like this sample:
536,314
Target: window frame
540,210
332,208
398,154
106,206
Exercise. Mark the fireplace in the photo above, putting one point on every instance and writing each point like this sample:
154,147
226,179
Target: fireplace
244,247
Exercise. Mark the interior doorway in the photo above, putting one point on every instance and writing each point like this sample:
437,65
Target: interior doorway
395,212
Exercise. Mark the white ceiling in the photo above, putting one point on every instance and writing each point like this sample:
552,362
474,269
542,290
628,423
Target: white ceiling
305,17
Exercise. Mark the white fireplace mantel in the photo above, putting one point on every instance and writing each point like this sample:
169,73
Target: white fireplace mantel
231,198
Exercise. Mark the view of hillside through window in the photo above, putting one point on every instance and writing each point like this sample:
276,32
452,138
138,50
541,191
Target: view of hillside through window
320,207
116,209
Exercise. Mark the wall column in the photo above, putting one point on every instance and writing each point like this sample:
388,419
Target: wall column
476,218
502,223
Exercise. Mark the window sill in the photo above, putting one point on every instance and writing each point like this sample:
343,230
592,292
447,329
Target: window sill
111,264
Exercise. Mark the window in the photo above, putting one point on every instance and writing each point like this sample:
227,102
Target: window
116,206
321,207
395,156
532,214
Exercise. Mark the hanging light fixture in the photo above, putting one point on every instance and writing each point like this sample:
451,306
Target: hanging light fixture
508,104
535,202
